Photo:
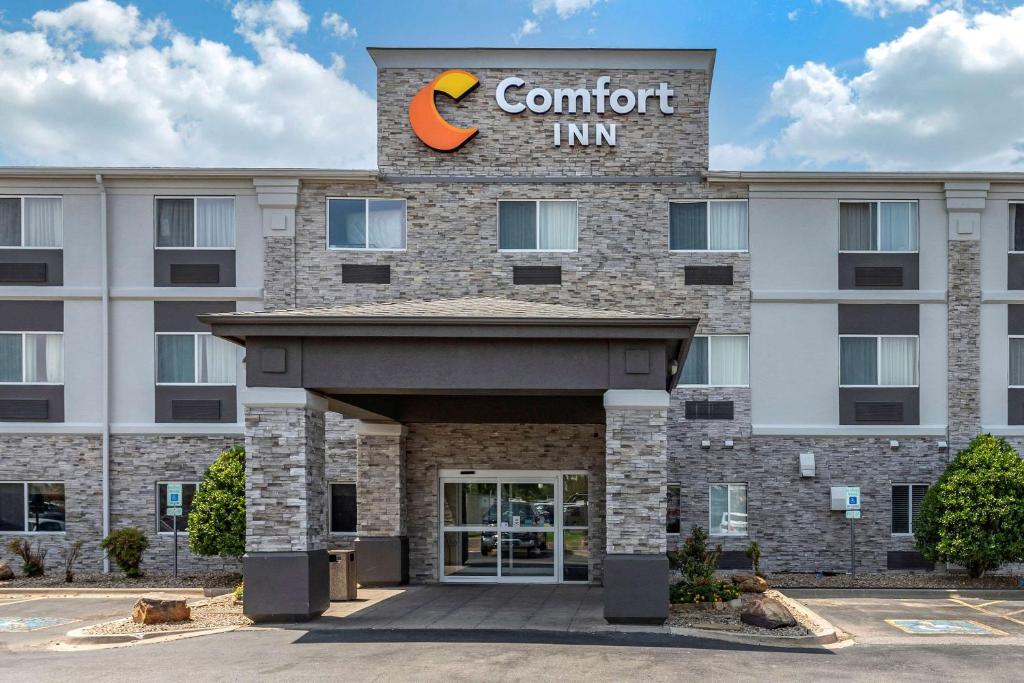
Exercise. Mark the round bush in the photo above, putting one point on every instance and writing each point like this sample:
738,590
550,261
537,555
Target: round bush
125,547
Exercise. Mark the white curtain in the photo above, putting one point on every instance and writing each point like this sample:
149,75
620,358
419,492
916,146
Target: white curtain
728,360
897,226
856,227
386,224
217,359
215,217
44,358
897,361
557,225
43,220
728,226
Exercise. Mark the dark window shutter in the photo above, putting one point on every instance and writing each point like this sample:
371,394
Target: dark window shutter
22,273
886,412
708,275
709,410
882,277
24,409
536,275
901,509
195,273
365,274
195,410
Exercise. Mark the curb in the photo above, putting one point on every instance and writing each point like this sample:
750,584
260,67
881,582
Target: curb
97,592
77,637
904,593
823,632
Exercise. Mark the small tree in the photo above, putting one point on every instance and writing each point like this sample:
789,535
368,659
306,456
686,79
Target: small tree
72,555
216,522
753,553
125,546
974,514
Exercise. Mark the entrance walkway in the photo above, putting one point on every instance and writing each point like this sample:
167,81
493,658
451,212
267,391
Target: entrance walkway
546,607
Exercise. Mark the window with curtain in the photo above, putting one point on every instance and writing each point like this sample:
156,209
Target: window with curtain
32,507
545,225
718,360
878,226
728,510
366,223
195,222
31,222
708,226
164,522
1016,227
1017,361
906,506
32,358
878,361
343,508
194,358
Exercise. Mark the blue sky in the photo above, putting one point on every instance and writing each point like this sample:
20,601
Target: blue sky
873,84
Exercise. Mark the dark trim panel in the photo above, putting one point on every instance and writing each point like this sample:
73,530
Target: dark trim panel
880,319
32,403
189,404
536,275
907,559
286,586
879,405
32,267
1015,318
31,316
1015,271
193,267
1015,407
365,274
181,316
879,271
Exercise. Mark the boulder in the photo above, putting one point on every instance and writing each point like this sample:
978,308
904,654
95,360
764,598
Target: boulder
6,573
766,613
750,583
155,610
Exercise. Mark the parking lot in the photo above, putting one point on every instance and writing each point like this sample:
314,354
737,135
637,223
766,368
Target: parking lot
29,621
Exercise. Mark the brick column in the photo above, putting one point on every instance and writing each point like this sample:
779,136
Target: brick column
286,563
382,546
636,472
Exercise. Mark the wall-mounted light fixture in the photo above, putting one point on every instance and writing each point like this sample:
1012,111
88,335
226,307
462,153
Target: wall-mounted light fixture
894,444
705,444
943,446
807,464
727,444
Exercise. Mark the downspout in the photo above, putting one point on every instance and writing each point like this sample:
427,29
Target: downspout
105,361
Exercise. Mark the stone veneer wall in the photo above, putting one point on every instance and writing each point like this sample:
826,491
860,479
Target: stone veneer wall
286,487
137,463
636,469
431,448
964,342
75,460
381,485
340,467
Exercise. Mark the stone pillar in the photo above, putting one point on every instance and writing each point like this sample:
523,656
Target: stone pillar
382,546
286,563
964,203
636,471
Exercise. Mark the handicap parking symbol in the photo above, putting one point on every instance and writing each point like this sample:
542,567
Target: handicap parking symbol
948,627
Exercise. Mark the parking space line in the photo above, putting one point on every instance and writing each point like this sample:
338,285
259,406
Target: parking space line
1019,611
18,602
985,611
991,602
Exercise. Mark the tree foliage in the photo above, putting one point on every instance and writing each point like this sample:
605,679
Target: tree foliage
126,546
974,515
216,522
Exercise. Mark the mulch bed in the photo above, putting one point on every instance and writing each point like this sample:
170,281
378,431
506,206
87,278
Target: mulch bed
55,579
727,619
208,613
892,580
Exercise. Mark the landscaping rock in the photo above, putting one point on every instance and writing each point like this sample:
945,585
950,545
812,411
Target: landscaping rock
766,613
154,610
750,583
6,573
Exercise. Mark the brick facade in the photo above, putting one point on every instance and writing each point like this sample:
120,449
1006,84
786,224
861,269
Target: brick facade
636,469
380,489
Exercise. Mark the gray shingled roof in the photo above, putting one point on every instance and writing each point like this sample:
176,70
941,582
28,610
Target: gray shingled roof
464,308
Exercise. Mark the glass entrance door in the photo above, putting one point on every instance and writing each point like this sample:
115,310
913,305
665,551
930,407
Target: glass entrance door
516,527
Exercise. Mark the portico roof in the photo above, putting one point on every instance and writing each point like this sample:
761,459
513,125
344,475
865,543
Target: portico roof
467,359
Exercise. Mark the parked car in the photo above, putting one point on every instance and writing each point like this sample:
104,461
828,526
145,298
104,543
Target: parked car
528,516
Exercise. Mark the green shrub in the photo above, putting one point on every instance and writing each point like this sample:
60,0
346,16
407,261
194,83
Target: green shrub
753,554
697,563
33,562
974,514
239,592
125,546
216,522
716,591
72,555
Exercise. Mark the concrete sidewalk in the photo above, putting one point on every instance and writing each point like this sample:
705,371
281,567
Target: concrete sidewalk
541,607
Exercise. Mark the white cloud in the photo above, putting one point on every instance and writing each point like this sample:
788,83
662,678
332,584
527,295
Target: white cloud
946,95
884,8
338,26
528,27
730,157
793,15
176,101
563,8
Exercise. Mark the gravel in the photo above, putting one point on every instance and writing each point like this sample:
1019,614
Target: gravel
727,619
219,612
55,579
892,580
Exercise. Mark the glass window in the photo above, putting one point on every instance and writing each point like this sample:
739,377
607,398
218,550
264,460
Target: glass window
545,225
366,223
195,222
878,226
728,510
343,508
878,361
10,222
906,506
32,358
1016,362
31,222
575,500
194,358
672,512
1016,227
714,226
165,523
32,507
470,504
718,360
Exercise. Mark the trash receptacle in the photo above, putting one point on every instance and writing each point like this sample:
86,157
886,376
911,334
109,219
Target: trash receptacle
343,574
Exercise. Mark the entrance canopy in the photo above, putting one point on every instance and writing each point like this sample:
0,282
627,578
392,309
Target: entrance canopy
472,359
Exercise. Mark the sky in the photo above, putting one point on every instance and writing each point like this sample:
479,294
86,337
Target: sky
798,84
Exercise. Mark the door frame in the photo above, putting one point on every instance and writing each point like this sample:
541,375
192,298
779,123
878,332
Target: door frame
500,477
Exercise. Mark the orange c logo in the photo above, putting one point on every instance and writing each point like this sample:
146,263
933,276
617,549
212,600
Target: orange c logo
428,124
